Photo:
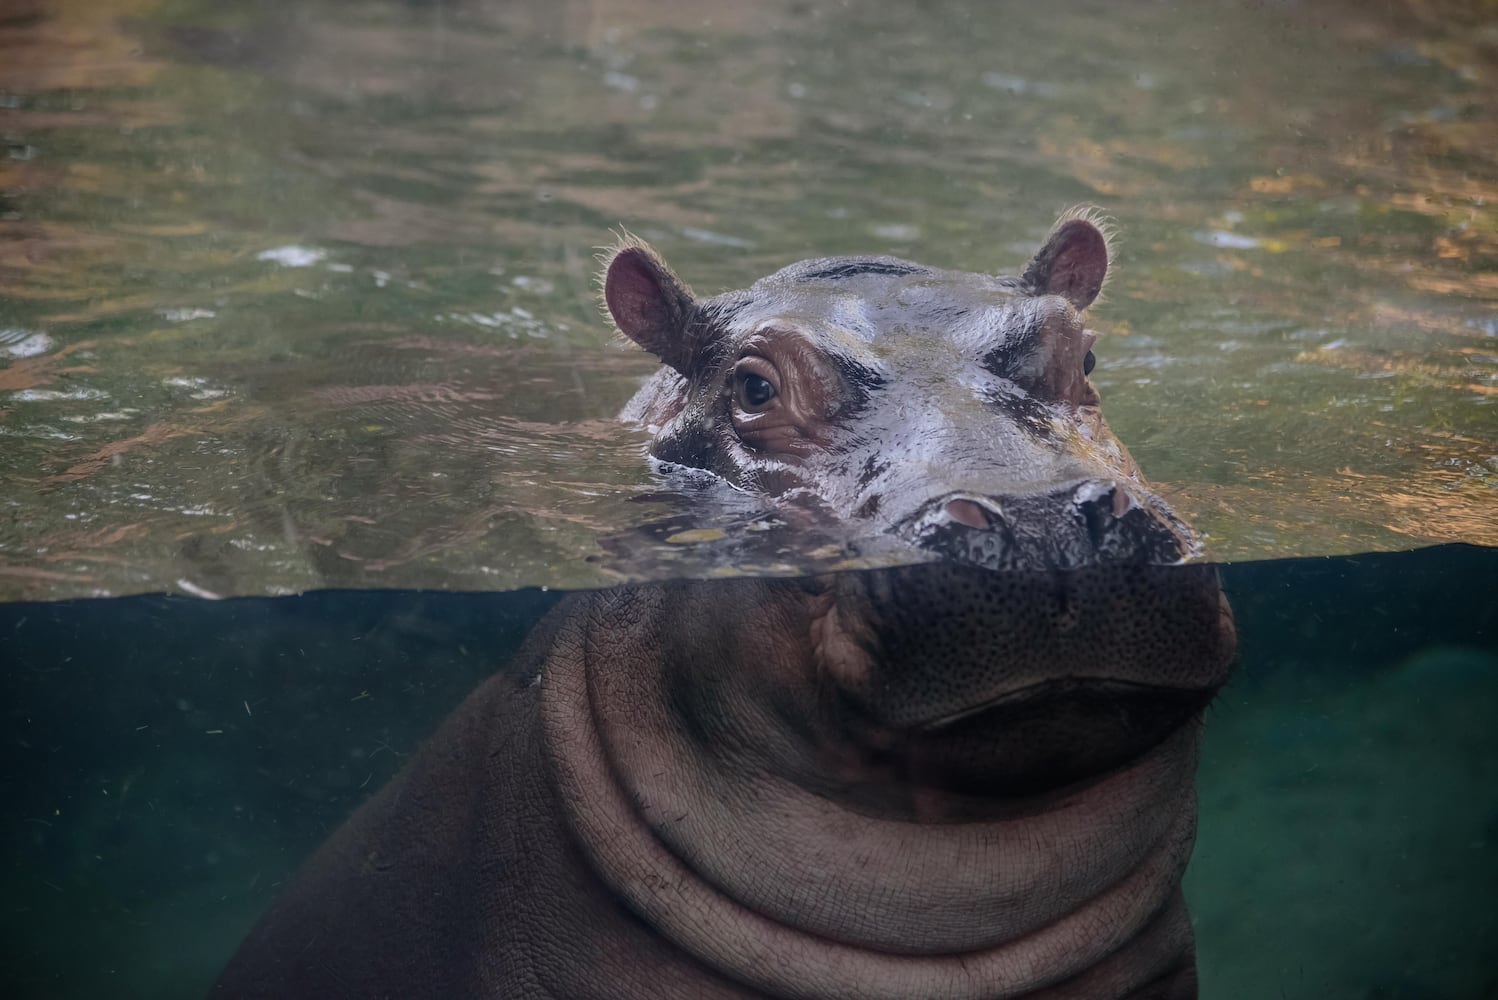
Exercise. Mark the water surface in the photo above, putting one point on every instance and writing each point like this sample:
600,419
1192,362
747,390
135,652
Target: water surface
295,296
301,296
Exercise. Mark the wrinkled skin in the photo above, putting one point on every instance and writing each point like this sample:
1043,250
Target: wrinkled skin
948,408
966,779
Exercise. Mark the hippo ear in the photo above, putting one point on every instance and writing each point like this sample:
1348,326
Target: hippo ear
649,304
1073,263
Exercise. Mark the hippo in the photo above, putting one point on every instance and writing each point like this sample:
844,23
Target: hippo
967,776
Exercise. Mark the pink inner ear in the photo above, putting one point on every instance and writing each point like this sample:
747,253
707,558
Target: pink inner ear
1079,264
649,305
634,297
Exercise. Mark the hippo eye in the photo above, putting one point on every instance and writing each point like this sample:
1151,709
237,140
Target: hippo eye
755,391
1088,364
752,390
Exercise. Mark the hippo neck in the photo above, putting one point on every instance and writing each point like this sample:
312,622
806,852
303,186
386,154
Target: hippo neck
792,893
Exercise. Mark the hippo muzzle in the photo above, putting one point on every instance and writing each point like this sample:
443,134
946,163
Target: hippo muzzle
1014,682
1082,523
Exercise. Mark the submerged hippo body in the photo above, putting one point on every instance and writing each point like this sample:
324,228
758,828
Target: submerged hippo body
965,779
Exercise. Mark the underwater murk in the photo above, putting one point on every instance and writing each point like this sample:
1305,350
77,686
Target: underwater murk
309,415
172,762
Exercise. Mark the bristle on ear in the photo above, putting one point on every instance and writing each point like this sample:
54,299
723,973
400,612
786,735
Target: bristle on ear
1104,224
647,302
1074,260
623,239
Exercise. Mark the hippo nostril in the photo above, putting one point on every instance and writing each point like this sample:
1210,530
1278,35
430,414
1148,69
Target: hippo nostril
1102,506
970,512
1104,498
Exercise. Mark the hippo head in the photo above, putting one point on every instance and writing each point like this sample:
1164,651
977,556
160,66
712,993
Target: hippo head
963,777
951,410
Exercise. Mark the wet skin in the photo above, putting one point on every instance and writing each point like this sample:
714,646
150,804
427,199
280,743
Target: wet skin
970,778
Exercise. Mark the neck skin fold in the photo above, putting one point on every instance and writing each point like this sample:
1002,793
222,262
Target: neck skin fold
790,892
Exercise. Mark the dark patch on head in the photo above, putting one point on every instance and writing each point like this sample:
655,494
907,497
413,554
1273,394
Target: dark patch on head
689,444
860,379
1009,359
949,314
722,309
853,268
873,467
1024,409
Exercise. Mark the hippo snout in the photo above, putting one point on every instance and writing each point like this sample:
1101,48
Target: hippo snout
1080,523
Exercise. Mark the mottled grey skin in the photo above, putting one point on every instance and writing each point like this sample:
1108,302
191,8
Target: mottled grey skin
909,399
968,779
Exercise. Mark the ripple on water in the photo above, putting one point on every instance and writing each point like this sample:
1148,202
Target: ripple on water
57,395
292,255
18,343
1225,239
186,315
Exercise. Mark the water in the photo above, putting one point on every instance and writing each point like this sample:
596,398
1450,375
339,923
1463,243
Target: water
287,291
172,761
301,296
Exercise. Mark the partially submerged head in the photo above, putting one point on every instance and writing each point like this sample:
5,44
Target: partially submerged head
1052,635
968,777
950,409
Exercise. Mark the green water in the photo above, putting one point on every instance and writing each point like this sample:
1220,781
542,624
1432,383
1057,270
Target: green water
301,295
172,761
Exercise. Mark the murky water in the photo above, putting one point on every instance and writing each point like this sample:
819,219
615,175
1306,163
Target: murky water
173,761
300,296
303,295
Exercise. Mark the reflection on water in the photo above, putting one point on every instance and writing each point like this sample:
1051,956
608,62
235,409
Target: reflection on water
297,297
175,761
